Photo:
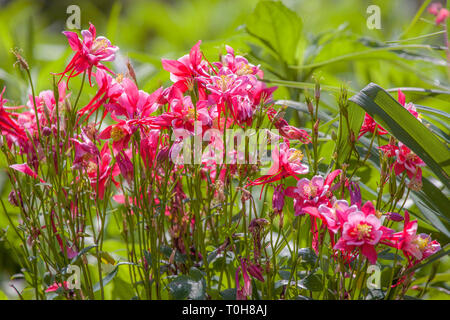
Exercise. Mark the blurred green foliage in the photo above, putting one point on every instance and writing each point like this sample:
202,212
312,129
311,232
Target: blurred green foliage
146,31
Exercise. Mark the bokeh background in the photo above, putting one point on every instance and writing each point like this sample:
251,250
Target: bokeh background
146,31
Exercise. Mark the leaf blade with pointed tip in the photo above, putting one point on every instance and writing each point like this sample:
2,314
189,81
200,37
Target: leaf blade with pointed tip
405,127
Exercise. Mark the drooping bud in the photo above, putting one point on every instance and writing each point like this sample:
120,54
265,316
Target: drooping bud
278,199
394,216
333,135
13,198
255,271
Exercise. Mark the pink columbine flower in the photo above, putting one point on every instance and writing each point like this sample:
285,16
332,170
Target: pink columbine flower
185,72
229,92
55,286
101,173
89,52
24,168
441,13
336,215
416,247
286,163
109,91
183,114
85,151
312,193
286,130
406,160
238,64
363,230
8,126
355,194
134,103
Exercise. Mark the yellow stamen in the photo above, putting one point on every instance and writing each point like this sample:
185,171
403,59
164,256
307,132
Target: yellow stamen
119,78
99,45
117,133
244,70
422,243
296,155
363,230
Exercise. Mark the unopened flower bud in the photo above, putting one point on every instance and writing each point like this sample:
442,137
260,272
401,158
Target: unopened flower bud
163,155
12,198
394,216
46,131
278,199
333,135
316,127
255,271
317,91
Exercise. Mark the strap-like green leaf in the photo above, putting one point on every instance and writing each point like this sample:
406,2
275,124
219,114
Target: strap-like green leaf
406,128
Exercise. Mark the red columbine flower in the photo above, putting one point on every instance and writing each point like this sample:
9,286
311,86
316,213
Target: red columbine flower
415,247
55,286
336,215
406,160
109,90
183,114
286,163
369,125
85,151
89,52
101,173
185,71
120,133
125,165
312,193
286,130
362,230
242,292
8,126
24,168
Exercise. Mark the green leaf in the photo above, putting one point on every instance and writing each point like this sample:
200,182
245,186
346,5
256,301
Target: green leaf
406,128
312,282
107,279
180,288
278,27
229,294
192,286
82,252
439,94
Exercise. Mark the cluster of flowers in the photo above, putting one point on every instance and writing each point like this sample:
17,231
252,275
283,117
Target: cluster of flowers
218,95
